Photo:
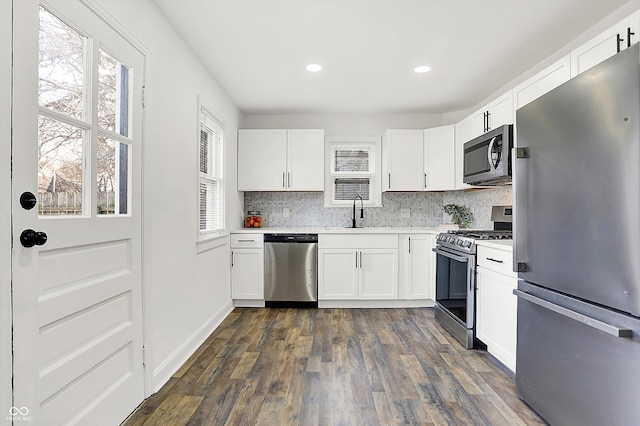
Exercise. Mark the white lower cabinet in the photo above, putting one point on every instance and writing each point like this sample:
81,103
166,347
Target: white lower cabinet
496,305
417,266
247,269
357,267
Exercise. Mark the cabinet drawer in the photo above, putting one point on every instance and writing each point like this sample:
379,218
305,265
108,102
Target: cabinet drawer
351,241
500,261
247,240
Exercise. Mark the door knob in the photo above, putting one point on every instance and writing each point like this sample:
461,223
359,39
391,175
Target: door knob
30,238
28,200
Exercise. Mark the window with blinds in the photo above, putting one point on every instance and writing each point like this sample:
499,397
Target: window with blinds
211,183
353,173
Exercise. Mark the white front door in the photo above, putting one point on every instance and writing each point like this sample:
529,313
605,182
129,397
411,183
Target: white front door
76,257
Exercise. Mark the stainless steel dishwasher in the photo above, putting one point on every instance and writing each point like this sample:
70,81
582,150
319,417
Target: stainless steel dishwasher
291,270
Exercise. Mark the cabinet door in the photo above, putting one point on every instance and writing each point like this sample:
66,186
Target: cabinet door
262,160
501,111
337,277
247,274
496,315
599,48
543,82
420,273
464,132
305,171
439,158
378,274
403,153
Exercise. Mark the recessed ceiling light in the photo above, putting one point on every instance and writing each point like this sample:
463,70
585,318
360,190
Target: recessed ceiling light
422,69
314,67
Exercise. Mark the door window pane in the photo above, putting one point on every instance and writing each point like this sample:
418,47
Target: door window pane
62,67
113,94
60,167
113,177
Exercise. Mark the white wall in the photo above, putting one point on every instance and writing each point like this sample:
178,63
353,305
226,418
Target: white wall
5,208
342,124
187,288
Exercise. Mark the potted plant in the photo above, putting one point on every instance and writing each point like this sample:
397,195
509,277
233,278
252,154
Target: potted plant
460,215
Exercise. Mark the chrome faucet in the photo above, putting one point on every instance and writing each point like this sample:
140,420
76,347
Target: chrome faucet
353,220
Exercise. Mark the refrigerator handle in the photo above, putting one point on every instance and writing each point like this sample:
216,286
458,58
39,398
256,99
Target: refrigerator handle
576,316
520,157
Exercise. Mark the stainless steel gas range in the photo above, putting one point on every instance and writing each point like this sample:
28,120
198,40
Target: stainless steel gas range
456,274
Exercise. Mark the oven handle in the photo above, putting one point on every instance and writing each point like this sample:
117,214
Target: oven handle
450,255
611,329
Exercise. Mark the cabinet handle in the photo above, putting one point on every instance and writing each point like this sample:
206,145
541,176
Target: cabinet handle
425,180
629,34
361,259
246,241
288,180
283,181
495,260
409,245
232,259
488,124
356,259
618,41
389,180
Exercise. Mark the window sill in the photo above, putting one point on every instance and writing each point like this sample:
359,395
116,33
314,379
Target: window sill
212,241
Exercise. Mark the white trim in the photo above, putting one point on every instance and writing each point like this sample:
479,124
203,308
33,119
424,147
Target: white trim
204,236
146,242
356,304
6,98
212,241
163,372
375,189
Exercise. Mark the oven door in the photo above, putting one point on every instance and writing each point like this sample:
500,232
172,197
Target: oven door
455,289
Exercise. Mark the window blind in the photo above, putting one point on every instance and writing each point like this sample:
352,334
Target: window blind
345,189
211,174
351,160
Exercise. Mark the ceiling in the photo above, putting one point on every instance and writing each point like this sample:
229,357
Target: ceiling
258,49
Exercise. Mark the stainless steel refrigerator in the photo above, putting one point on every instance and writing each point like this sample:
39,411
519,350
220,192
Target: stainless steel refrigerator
577,247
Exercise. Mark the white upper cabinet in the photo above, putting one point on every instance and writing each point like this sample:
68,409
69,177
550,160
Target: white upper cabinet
495,114
262,160
419,160
280,160
305,161
606,44
541,83
439,158
403,160
500,111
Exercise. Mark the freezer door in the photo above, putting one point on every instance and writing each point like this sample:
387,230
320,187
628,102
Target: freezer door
577,223
575,371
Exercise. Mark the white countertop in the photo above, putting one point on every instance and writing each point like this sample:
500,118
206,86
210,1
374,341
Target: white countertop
497,244
341,230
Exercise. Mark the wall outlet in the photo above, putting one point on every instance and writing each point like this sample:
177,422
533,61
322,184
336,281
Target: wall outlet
285,212
405,213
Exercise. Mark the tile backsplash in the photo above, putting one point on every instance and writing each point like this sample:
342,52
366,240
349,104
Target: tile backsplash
306,209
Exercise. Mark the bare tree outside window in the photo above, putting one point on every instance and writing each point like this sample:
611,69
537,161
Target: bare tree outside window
65,123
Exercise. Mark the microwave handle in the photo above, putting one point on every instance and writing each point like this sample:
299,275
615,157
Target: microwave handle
489,151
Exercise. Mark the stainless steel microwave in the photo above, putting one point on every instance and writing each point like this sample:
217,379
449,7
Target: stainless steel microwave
487,158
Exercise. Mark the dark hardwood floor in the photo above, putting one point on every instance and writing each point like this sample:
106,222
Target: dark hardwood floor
335,367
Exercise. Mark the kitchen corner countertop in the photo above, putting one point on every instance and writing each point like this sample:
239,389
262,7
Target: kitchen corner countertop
340,230
497,244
